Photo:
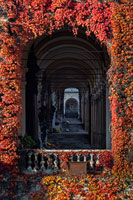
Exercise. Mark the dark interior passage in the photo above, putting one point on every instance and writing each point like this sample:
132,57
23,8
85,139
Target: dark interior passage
67,92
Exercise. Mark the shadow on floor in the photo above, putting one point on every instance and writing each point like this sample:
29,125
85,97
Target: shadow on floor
73,136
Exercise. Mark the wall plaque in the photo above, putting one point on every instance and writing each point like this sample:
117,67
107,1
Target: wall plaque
78,168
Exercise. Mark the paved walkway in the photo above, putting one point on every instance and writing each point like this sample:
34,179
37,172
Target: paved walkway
74,125
72,137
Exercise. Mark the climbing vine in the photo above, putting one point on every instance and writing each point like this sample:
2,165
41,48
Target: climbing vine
23,20
121,87
89,187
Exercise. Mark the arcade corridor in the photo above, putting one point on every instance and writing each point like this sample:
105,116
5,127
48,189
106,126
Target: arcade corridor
65,80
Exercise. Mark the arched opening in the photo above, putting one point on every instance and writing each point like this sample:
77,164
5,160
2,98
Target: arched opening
71,103
60,62
20,23
71,108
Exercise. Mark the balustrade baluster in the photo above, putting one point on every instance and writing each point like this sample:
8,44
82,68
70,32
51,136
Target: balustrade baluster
36,162
71,158
56,162
78,158
91,160
84,158
43,168
49,163
98,160
29,168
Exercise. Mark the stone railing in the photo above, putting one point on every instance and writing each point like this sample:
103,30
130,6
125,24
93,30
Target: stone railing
48,161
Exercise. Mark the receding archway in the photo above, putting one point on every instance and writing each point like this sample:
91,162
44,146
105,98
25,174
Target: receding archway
71,108
61,62
71,102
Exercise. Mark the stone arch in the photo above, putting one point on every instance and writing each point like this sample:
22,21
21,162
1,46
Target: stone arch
71,108
18,27
83,64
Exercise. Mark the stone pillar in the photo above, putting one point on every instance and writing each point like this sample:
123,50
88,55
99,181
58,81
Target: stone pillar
96,122
38,106
87,111
96,119
80,109
108,117
83,110
54,104
50,107
58,103
53,121
92,119
62,103
100,119
31,101
103,118
89,116
23,107
36,117
62,106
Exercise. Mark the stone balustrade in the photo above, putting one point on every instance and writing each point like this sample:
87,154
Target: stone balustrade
48,161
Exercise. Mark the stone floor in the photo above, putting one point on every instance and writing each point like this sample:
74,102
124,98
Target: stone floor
73,136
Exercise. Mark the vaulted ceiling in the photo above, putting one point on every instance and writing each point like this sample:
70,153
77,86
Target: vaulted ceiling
68,61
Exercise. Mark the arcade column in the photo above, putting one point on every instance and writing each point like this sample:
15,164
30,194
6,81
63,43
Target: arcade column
23,107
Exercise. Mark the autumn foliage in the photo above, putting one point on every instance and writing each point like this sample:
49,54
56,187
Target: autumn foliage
121,87
89,187
23,20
